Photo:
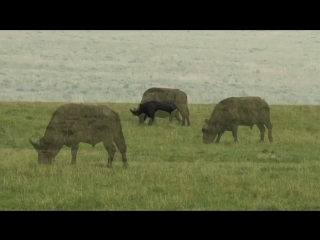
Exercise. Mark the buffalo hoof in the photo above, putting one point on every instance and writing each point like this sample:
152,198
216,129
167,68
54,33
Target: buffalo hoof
125,166
109,166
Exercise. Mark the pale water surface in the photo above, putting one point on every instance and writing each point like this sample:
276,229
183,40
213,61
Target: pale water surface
118,66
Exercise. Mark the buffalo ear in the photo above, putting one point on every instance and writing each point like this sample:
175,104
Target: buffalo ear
35,144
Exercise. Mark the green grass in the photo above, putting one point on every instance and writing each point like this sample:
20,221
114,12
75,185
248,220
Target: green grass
169,166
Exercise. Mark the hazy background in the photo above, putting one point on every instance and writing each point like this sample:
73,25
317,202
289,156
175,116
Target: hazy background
118,66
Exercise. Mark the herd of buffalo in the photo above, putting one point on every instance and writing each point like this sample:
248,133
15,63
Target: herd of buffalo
72,123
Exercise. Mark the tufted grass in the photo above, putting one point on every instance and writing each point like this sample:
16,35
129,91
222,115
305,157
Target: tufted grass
169,166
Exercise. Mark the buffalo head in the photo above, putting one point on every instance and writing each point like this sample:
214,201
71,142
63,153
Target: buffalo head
46,153
209,133
135,112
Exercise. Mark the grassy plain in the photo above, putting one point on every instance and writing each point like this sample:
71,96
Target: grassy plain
169,166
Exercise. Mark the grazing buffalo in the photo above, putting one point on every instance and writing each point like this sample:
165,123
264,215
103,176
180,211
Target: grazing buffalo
162,114
237,111
75,123
150,108
176,96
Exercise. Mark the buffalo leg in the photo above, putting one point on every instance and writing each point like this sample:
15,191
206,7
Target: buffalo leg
219,136
121,145
188,121
183,121
235,132
142,118
188,114
178,117
183,109
74,151
175,114
269,127
111,149
262,131
151,116
151,121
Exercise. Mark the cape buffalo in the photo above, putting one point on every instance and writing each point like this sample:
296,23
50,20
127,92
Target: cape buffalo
178,97
237,111
150,108
75,123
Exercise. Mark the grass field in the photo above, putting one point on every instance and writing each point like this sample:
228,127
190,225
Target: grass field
169,166
117,66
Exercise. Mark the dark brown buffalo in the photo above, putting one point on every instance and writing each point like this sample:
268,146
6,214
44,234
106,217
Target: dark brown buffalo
150,108
72,124
162,114
176,96
237,111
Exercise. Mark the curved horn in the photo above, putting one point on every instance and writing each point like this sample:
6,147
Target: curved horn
205,127
34,143
132,110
